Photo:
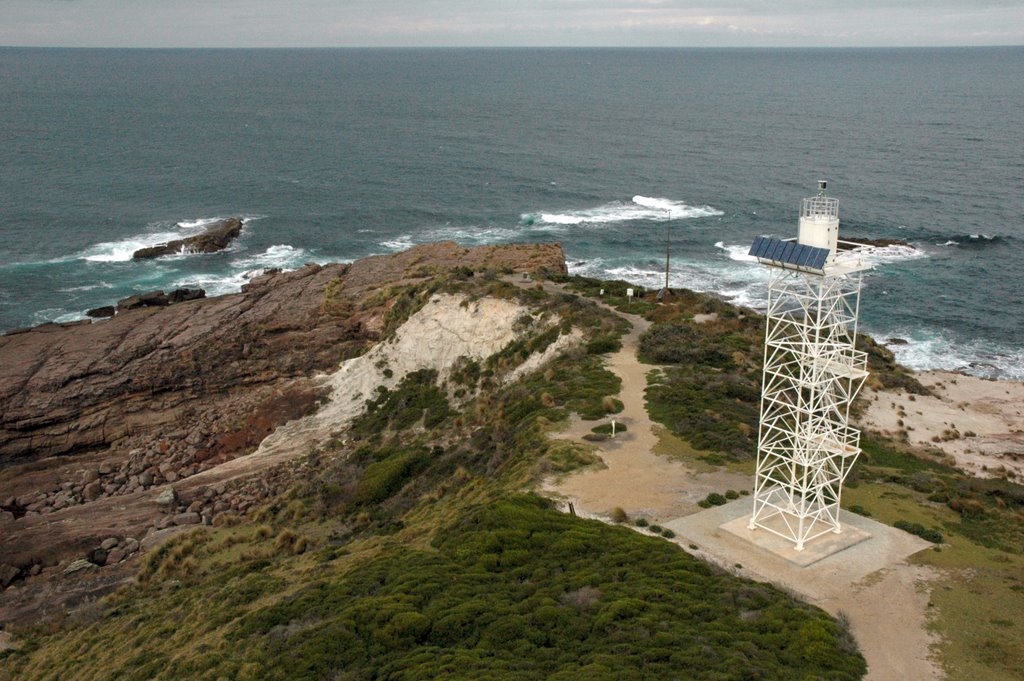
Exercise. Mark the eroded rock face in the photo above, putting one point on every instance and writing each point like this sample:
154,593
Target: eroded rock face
98,420
65,389
216,238
83,388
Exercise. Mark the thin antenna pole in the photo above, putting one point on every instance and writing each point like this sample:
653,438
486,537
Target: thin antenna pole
668,242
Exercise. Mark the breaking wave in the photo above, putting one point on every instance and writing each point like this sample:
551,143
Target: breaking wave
640,208
122,250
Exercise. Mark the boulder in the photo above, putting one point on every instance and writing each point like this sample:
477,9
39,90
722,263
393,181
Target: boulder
187,519
78,566
92,491
109,543
8,573
150,299
180,295
214,239
101,312
167,497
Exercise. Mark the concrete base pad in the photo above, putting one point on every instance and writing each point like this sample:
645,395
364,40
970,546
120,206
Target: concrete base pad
863,547
814,550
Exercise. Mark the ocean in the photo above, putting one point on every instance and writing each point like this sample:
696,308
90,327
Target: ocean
332,155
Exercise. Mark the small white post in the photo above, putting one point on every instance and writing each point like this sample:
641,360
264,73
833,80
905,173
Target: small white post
613,427
629,296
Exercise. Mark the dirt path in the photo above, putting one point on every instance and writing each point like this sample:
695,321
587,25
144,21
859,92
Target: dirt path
636,479
887,609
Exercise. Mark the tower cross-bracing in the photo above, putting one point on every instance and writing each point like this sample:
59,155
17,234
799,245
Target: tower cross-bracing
812,374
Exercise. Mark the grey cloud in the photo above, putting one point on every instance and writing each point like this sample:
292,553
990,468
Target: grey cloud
233,23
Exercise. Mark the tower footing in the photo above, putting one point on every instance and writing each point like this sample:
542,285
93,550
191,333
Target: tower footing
814,550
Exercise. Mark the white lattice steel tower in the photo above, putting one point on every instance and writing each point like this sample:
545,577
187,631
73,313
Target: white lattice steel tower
812,373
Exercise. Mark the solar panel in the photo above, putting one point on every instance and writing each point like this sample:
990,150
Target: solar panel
818,261
802,257
789,253
758,240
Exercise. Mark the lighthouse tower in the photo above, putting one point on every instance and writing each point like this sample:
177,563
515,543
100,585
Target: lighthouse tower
812,373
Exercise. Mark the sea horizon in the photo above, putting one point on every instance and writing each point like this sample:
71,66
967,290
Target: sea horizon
332,154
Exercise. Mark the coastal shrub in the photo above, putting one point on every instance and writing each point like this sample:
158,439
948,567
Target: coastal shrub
860,510
618,515
603,344
682,342
714,411
381,479
668,534
466,371
611,405
518,590
715,499
934,536
606,428
641,522
732,494
416,397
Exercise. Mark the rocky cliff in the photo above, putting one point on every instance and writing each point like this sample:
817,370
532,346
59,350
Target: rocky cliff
82,387
97,421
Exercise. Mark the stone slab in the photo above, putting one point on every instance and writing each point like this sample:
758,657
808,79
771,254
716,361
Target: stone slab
882,547
814,550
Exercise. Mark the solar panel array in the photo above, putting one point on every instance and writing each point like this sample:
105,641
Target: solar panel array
789,253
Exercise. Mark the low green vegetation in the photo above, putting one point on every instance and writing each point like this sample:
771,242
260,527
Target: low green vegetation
708,391
417,399
980,524
934,536
411,551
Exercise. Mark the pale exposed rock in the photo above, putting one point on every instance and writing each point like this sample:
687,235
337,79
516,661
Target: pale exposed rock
78,566
167,497
109,543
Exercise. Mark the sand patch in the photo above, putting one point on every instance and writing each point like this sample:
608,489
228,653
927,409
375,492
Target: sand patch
979,422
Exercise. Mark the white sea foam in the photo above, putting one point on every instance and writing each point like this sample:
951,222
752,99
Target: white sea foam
741,285
196,224
879,255
122,250
399,243
640,208
89,287
926,350
283,256
280,256
737,252
216,284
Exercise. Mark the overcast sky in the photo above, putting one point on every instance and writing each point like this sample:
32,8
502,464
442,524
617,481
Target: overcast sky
357,23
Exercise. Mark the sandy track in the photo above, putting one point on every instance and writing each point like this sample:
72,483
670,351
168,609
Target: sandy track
887,609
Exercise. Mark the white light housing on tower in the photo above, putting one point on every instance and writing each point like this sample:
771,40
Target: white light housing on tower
819,222
812,373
